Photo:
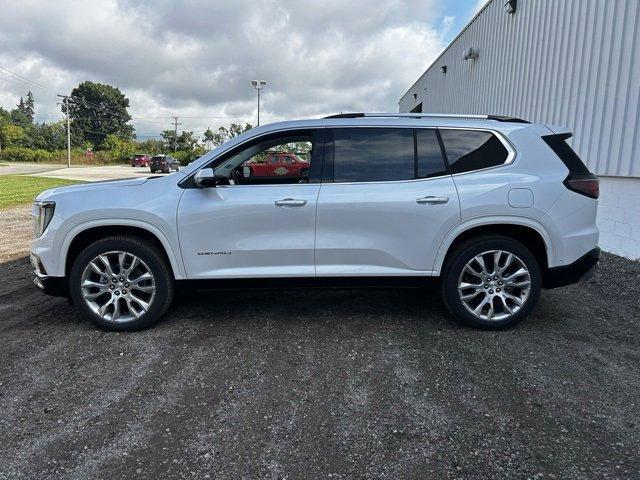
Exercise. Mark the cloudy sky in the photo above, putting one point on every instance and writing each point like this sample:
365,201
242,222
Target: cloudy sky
196,58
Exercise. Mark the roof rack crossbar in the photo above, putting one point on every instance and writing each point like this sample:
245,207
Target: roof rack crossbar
498,118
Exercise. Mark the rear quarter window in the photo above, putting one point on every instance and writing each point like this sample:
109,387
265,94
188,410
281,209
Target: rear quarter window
565,153
469,150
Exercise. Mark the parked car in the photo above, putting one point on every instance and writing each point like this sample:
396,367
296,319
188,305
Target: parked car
140,160
163,163
497,208
276,164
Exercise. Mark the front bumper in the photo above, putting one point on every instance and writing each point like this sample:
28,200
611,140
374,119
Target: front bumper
55,286
582,269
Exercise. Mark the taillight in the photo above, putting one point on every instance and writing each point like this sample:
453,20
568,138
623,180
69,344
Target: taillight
586,186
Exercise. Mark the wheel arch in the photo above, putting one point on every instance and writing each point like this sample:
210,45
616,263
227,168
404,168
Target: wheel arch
85,234
528,232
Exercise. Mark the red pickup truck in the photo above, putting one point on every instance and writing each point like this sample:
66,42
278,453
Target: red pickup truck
276,164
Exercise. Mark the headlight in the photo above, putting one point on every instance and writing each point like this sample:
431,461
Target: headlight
42,215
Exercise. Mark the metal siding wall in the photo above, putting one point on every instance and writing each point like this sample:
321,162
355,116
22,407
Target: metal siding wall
574,63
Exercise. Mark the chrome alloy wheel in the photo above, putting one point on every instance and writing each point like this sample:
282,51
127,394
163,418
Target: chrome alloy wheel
118,286
494,285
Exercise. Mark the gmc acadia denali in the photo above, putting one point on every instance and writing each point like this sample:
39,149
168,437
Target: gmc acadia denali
497,208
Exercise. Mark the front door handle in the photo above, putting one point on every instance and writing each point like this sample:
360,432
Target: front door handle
290,202
431,199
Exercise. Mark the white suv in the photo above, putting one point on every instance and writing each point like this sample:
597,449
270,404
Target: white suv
498,208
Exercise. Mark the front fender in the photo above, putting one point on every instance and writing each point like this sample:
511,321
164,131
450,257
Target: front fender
171,247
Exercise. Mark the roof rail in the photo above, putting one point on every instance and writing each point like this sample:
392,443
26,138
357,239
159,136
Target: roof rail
498,118
346,115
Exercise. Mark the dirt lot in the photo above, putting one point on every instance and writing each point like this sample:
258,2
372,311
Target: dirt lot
16,232
324,384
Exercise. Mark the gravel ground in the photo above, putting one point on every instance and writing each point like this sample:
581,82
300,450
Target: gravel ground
16,232
323,384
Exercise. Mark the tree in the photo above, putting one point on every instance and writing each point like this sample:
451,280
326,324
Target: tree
236,129
168,139
224,134
48,136
5,117
119,148
23,114
184,141
11,135
97,110
208,137
150,146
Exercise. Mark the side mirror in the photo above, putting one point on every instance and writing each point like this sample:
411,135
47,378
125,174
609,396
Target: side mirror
205,177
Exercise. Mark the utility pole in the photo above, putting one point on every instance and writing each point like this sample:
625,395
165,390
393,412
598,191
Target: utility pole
258,85
175,129
66,104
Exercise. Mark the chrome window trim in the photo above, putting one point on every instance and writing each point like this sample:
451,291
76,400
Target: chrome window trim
511,153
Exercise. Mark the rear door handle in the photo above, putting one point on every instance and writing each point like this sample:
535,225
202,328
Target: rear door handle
290,202
431,199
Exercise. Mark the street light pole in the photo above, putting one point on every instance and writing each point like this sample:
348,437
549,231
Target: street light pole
258,85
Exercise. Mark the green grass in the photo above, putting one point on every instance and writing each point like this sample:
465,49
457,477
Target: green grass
20,189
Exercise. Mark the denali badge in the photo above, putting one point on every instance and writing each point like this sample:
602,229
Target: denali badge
214,253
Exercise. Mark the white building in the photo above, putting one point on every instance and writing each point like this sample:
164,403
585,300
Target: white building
565,62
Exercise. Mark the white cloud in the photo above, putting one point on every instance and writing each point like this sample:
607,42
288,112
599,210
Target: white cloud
196,58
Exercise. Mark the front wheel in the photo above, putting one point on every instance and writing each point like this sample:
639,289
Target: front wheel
491,282
121,283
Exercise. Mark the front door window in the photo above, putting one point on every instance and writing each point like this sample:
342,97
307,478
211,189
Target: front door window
284,158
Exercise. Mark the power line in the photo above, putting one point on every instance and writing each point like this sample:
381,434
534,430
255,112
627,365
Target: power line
17,82
25,79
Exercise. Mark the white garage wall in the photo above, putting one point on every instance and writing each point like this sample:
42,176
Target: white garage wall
574,63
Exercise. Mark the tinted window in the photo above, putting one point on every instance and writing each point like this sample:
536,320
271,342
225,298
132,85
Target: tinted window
566,153
373,154
430,161
469,150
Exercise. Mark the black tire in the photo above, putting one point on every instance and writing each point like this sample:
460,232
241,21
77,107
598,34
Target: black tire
465,252
150,255
153,171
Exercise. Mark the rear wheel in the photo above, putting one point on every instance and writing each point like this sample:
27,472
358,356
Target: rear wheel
121,283
491,282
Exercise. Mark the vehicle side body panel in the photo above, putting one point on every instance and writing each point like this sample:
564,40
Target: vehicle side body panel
239,231
379,228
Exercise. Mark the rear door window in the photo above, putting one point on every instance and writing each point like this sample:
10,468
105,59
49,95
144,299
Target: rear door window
429,154
373,154
469,150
